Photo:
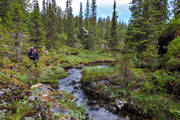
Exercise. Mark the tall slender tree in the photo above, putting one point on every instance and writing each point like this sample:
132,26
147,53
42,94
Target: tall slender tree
4,10
51,25
93,36
176,6
114,37
70,26
87,15
17,25
36,31
81,31
108,31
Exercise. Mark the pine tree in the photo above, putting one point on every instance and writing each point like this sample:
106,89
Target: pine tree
70,26
147,21
44,7
92,36
17,25
60,20
36,31
4,10
176,6
108,30
114,37
81,31
100,32
87,15
51,25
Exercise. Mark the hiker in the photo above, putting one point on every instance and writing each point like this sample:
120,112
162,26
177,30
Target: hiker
33,55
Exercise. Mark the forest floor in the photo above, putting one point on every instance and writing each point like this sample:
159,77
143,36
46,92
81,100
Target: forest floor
124,88
19,100
136,90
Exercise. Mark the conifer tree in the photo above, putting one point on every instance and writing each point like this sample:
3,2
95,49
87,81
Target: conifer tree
81,31
92,36
4,10
17,25
44,7
70,26
114,37
108,30
147,21
176,6
59,20
36,31
51,25
87,15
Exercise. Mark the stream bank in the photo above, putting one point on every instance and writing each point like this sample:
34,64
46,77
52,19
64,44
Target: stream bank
96,111
98,106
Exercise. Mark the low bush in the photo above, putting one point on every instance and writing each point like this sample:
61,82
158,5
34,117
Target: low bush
91,73
52,75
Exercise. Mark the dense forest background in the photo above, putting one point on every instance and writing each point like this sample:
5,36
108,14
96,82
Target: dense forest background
146,50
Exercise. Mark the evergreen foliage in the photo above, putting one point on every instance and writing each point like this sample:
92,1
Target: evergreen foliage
87,13
71,41
146,24
92,36
36,31
113,43
81,31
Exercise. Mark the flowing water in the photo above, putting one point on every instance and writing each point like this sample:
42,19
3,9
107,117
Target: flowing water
72,85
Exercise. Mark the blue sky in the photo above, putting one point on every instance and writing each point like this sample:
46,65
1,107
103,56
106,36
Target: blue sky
122,12
104,7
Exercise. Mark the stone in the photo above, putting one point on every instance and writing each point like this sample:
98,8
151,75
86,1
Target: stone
120,104
113,109
96,107
28,118
32,98
1,92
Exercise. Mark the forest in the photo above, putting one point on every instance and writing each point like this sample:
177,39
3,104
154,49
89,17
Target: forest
88,67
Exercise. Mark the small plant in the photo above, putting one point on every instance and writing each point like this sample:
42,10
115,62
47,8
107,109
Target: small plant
2,115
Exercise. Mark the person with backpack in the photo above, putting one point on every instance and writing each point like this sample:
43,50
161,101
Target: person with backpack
33,55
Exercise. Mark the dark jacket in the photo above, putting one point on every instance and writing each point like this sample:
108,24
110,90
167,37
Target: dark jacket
33,55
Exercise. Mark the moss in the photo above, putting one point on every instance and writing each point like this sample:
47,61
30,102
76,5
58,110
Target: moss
91,73
157,103
76,111
52,75
95,55
17,109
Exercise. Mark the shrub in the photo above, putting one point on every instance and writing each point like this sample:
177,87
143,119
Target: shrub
90,73
52,75
173,54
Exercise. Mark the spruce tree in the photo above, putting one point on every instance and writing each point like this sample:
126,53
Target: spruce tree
81,31
114,37
108,31
92,36
36,31
147,21
51,25
71,41
4,10
18,28
87,15
176,6
44,7
59,20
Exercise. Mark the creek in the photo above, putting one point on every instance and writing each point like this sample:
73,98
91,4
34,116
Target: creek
72,85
